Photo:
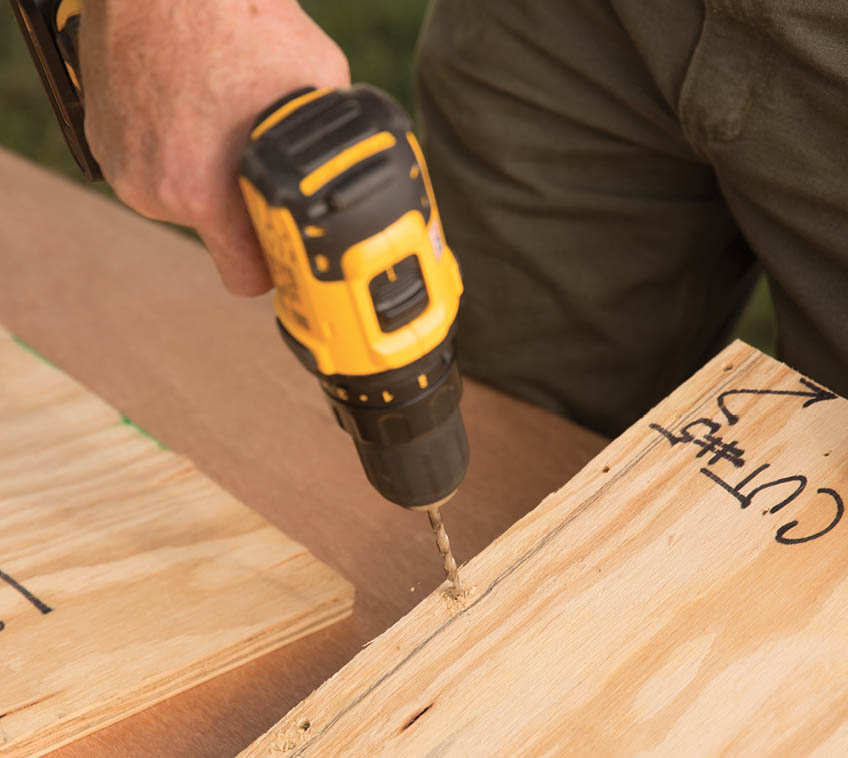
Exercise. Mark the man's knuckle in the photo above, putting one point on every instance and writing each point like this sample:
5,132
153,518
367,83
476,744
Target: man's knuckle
178,188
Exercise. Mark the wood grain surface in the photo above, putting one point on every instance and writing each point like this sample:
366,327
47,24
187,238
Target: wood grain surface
686,594
127,576
137,314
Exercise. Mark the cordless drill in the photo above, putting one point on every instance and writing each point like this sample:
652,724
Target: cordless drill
367,291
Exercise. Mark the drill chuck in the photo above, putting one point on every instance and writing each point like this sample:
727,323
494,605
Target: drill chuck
413,449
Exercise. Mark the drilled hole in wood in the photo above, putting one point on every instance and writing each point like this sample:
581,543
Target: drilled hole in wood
415,718
605,469
304,725
827,454
727,367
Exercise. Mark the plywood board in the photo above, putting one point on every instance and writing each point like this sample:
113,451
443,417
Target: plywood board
125,575
138,315
685,594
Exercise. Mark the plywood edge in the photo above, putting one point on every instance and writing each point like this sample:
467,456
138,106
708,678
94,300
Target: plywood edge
336,607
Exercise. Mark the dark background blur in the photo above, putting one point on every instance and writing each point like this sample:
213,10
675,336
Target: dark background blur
378,37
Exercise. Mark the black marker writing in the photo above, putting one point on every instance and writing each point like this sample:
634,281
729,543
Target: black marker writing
708,441
840,510
800,482
745,500
815,395
43,607
704,433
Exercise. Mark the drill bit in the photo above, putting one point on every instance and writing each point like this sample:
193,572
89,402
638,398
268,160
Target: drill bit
443,543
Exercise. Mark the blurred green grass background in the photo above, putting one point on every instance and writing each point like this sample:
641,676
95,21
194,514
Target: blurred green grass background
378,37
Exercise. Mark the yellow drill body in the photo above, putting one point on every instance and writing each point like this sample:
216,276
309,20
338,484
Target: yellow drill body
367,291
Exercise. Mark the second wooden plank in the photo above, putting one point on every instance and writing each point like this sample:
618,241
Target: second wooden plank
125,575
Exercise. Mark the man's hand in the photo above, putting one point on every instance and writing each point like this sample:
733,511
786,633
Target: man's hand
171,92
